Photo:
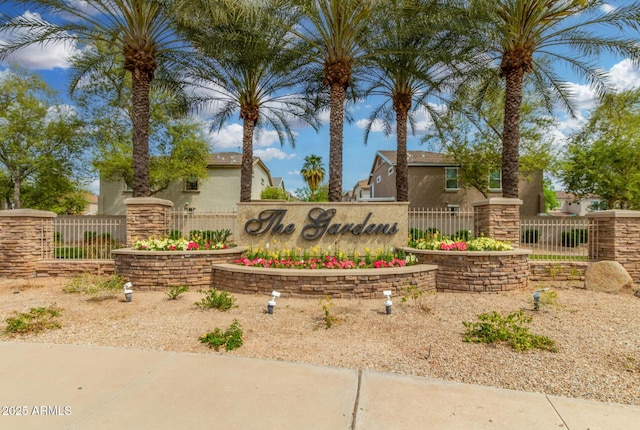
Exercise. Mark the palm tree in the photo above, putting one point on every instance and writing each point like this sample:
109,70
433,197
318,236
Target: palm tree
313,172
246,65
412,62
333,34
139,30
526,36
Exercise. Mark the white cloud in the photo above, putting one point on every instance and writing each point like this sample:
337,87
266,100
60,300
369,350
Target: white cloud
606,8
271,154
230,138
377,125
625,76
582,96
294,173
45,56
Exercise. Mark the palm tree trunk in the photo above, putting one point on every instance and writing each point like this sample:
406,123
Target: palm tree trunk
140,87
511,132
401,105
336,126
246,172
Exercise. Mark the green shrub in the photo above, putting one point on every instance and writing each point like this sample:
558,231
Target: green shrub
494,327
329,318
89,236
176,291
34,321
231,338
175,234
463,235
574,237
98,287
213,299
273,193
530,236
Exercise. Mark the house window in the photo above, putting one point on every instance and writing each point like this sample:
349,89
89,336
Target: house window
453,209
126,187
451,178
495,180
390,171
191,184
378,179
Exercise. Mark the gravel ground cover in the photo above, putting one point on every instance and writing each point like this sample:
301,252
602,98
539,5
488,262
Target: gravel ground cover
597,334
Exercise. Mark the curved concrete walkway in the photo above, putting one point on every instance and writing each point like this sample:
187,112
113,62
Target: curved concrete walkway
79,387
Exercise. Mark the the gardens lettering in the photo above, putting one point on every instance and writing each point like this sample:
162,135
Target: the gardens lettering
271,221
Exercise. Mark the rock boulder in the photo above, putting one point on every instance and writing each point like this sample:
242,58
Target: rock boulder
607,276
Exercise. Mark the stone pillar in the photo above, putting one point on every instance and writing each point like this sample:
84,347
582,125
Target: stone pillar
615,235
147,217
498,218
26,236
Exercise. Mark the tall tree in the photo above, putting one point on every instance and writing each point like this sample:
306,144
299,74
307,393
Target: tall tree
526,36
246,65
313,173
602,157
413,61
38,141
140,30
334,34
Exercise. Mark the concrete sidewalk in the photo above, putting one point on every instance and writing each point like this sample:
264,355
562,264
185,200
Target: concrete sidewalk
78,387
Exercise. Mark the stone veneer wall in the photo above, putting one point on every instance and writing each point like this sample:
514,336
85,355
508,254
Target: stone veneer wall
617,235
147,217
26,236
498,218
476,271
69,268
565,272
314,283
158,270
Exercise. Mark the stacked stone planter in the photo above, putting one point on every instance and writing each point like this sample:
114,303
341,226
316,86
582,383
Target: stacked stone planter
477,271
159,270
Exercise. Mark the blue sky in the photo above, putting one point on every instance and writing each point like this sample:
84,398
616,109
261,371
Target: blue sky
51,63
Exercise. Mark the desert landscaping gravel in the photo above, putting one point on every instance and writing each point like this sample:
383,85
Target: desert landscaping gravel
597,334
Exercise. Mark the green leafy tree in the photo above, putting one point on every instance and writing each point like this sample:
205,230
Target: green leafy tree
246,65
274,193
140,31
320,195
524,37
38,142
313,173
472,136
602,157
333,35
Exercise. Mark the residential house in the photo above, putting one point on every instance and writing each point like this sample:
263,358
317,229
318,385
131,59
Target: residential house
570,205
220,190
361,191
434,181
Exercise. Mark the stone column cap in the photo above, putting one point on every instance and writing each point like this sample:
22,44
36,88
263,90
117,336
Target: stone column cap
147,201
27,213
614,214
498,201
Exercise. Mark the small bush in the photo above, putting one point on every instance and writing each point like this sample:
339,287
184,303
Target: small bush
98,287
89,236
176,291
34,321
463,235
574,237
231,338
411,292
175,234
213,299
495,327
329,318
530,236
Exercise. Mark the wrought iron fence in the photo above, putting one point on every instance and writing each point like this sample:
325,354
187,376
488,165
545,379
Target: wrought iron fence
559,238
184,222
454,221
87,237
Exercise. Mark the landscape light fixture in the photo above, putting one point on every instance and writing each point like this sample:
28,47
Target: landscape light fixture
272,303
387,302
127,291
536,298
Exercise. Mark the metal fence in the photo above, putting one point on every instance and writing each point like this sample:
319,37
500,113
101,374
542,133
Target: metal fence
558,238
447,221
184,222
88,237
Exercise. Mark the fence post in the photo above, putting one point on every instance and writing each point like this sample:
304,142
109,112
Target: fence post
617,238
26,237
498,218
147,217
